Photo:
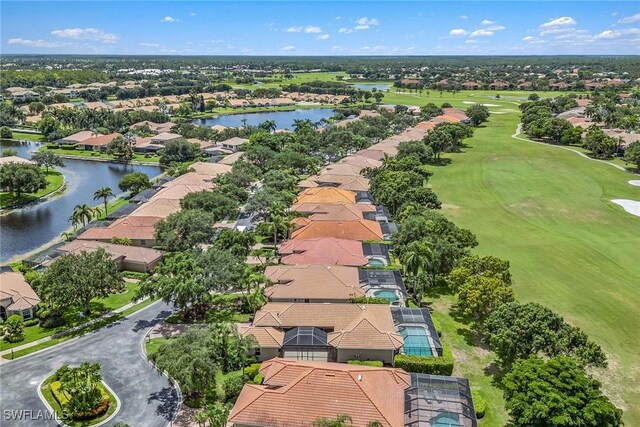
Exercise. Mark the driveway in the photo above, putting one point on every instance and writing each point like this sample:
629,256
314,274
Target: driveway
147,397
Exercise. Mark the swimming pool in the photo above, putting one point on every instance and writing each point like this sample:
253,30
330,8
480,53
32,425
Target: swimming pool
445,419
375,262
416,341
386,294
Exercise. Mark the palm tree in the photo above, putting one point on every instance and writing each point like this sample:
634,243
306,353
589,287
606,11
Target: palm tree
276,224
268,125
104,193
66,235
417,258
82,213
97,211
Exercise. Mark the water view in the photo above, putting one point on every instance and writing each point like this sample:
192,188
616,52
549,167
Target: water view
26,229
283,119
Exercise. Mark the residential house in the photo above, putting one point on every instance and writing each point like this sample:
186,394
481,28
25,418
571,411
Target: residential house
498,85
15,159
324,251
233,144
139,229
98,142
326,195
128,258
16,296
77,138
351,230
162,138
471,85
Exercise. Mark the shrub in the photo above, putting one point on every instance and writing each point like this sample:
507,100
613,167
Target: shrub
31,322
438,326
377,363
368,300
252,370
102,407
442,365
51,322
14,328
69,147
479,404
232,386
52,146
258,379
61,397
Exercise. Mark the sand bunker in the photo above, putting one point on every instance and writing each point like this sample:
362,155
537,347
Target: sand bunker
635,182
631,206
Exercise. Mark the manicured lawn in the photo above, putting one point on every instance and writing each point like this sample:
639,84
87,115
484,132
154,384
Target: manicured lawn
98,155
54,182
114,301
48,395
151,346
28,136
548,212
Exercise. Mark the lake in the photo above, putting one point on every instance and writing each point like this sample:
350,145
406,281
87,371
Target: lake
26,229
370,86
283,119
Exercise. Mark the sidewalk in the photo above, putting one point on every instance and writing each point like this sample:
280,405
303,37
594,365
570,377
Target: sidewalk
67,331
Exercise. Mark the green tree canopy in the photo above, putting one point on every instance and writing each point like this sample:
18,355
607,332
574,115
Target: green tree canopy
185,229
134,182
19,178
475,265
178,151
480,296
214,202
478,114
47,159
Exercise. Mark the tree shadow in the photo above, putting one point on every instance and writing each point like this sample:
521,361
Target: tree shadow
445,161
145,324
167,399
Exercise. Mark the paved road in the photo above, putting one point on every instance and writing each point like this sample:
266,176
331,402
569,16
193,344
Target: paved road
148,399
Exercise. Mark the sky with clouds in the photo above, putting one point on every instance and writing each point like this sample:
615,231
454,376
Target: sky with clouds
320,28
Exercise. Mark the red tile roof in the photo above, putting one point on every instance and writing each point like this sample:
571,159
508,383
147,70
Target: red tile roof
323,250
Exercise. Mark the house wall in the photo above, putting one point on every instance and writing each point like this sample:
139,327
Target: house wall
344,355
266,353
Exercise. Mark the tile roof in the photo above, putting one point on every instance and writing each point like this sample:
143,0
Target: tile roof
132,227
360,161
343,182
341,169
297,393
15,159
326,195
18,291
210,169
159,208
313,282
131,253
333,211
351,230
323,250
100,140
265,337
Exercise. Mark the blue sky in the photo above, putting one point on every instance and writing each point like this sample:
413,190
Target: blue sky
320,28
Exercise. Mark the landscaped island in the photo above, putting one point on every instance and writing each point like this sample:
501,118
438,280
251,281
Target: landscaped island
78,396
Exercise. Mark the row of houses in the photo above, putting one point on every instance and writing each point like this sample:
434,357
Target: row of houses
312,326
578,118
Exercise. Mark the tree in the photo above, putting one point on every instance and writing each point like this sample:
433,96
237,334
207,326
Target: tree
178,151
185,229
47,159
121,148
21,178
417,259
556,393
439,141
478,114
217,414
275,225
72,281
14,328
480,296
341,420
214,202
475,265
263,202
5,132
533,97
82,214
516,331
599,143
103,193
632,154
82,386
134,182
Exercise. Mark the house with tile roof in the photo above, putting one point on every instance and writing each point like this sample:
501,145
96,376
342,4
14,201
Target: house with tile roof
16,296
323,250
351,230
139,229
129,258
325,195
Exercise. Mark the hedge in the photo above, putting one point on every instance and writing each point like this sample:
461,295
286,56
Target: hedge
377,363
438,326
31,322
252,370
479,404
61,396
258,379
442,365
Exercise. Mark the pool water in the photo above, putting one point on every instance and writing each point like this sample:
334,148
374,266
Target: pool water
446,419
386,294
374,262
416,341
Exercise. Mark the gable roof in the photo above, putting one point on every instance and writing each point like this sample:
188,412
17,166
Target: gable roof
265,337
351,230
132,227
313,281
332,211
296,393
326,195
130,253
18,291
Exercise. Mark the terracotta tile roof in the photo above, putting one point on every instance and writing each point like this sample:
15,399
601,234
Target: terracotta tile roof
18,291
341,169
265,337
210,169
177,192
100,140
15,159
234,142
231,158
361,161
333,211
313,282
355,326
79,136
326,195
296,393
345,182
132,227
131,253
351,230
160,208
372,153
324,250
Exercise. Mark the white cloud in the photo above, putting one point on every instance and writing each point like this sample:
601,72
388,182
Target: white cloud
481,33
345,30
495,28
312,29
471,41
294,30
457,32
86,34
528,39
563,21
487,22
149,45
169,20
289,47
361,27
609,34
338,18
193,14
464,17
614,13
33,43
323,37
367,21
629,19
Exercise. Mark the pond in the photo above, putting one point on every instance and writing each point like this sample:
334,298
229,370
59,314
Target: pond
26,229
370,86
283,119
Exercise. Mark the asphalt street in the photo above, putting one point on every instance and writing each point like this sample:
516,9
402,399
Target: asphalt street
147,397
